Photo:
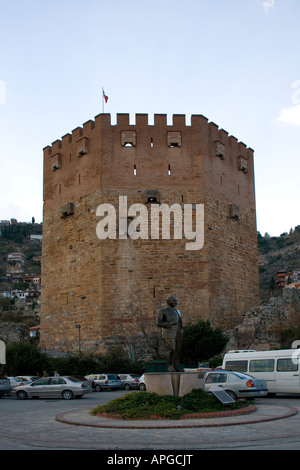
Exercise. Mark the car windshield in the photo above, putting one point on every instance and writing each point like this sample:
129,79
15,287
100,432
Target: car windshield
113,377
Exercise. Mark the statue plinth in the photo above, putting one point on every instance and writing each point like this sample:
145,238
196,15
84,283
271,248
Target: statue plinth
174,383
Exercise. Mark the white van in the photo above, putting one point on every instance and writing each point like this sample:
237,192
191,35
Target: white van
279,368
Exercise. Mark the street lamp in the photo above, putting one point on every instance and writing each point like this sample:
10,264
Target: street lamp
79,340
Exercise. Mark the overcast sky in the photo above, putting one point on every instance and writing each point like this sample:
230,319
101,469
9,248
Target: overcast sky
234,61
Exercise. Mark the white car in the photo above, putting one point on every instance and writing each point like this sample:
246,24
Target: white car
129,381
17,381
105,381
236,384
142,384
28,378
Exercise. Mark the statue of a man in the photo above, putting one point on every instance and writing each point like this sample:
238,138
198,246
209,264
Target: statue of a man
170,321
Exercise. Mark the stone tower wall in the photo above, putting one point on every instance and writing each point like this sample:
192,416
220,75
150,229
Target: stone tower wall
102,284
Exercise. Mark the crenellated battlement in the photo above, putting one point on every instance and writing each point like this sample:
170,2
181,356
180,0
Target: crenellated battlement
101,155
199,123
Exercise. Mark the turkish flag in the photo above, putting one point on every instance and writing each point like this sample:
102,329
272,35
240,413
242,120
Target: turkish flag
105,97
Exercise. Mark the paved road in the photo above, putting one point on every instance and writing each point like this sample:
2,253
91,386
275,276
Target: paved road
33,425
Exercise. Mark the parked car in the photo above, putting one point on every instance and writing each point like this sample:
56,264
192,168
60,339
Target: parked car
84,379
105,381
142,384
60,387
129,381
5,386
17,381
28,378
236,384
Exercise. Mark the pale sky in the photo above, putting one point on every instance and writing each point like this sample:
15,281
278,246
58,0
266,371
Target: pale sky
234,61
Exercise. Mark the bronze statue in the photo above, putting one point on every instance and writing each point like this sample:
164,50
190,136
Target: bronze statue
170,321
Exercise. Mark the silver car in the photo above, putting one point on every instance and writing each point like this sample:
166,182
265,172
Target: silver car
130,381
105,381
56,387
236,384
142,383
5,386
17,381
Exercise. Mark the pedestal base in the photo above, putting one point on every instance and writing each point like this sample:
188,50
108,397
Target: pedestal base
174,383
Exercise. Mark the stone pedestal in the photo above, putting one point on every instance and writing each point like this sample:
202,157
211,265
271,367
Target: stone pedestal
174,383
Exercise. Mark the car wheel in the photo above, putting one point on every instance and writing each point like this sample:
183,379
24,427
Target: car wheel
231,394
67,394
127,387
22,395
142,387
98,388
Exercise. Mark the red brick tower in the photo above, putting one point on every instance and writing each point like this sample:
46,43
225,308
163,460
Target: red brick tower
88,281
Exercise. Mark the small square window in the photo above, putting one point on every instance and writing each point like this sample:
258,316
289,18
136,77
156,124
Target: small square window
174,139
82,147
243,164
234,211
56,162
220,150
128,138
152,197
67,210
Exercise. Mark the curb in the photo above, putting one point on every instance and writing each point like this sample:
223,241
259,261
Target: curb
203,422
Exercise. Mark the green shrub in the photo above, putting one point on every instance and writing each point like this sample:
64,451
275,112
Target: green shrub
143,404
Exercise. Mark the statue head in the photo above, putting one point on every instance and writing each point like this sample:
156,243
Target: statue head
172,301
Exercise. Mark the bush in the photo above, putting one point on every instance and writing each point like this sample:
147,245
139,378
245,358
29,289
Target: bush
143,405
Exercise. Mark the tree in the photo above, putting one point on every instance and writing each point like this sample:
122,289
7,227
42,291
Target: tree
135,331
201,342
24,358
272,283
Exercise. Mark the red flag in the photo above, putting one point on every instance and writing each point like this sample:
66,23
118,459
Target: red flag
105,97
